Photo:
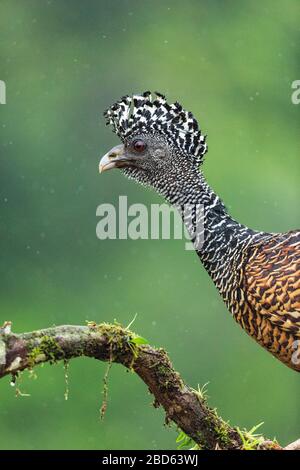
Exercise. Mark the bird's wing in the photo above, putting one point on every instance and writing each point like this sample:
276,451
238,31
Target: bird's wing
271,280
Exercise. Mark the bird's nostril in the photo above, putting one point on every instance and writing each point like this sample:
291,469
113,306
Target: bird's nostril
112,155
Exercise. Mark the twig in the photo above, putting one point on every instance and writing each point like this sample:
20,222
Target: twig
293,446
112,343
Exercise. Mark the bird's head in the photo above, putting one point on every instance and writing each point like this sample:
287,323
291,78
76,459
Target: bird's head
160,142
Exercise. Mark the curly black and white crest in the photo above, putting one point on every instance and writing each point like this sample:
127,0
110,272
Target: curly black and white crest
150,113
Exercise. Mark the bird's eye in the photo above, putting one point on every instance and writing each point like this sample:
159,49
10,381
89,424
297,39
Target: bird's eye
139,145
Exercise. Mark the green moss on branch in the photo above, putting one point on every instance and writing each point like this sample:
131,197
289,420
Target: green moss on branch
114,343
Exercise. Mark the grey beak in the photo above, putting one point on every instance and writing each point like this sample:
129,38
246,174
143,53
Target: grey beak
110,159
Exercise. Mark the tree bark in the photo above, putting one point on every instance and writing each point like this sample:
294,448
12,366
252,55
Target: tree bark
113,343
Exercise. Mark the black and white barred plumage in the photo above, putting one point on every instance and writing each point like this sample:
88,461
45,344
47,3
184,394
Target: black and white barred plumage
150,112
256,273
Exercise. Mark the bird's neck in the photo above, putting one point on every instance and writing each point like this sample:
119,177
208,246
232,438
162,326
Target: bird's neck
218,239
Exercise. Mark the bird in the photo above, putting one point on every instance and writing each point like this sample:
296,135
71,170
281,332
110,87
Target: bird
256,273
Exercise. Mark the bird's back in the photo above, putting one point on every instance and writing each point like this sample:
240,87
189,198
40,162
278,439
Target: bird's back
270,291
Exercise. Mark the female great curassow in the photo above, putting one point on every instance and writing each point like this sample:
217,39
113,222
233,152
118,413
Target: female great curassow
256,273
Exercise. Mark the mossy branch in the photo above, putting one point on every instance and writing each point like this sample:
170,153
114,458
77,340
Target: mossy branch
113,343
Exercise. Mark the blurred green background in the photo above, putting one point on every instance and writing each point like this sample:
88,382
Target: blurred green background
232,63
